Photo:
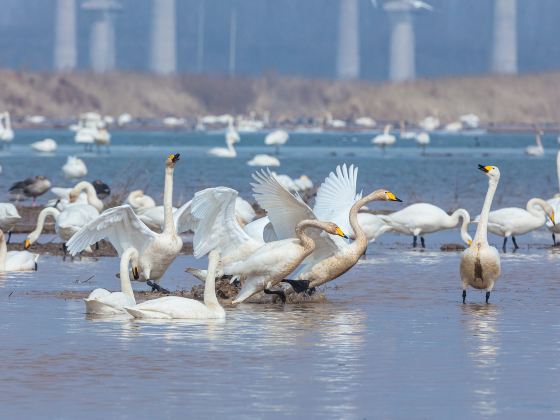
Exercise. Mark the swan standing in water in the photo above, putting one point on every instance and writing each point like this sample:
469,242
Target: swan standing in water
16,260
9,217
174,307
74,167
422,218
277,138
104,302
124,229
514,221
480,262
232,137
385,139
423,140
537,149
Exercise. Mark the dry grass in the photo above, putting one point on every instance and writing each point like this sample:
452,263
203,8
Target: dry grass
498,99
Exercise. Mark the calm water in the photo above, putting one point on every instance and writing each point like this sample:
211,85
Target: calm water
392,341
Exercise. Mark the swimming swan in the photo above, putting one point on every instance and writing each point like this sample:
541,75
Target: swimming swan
422,218
122,227
536,149
480,262
231,137
16,260
175,307
104,302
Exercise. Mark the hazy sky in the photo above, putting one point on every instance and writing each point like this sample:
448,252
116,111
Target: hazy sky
292,36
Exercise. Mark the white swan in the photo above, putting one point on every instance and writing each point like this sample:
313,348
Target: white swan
67,222
138,200
515,221
91,194
6,132
277,138
480,262
263,160
174,307
232,137
536,149
422,218
124,229
9,217
555,203
104,302
244,211
74,167
423,140
44,146
16,260
385,139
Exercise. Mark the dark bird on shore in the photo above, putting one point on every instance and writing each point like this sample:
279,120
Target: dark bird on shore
101,189
31,187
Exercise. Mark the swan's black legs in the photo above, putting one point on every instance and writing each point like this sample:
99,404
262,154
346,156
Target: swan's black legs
97,246
299,286
464,295
276,292
157,287
553,239
10,236
414,241
422,242
36,266
504,245
487,296
514,243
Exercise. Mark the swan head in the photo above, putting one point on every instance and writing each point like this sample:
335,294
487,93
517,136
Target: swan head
491,171
334,229
101,189
26,244
172,160
389,196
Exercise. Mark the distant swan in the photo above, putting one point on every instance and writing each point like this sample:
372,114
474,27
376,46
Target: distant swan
231,137
175,307
422,218
276,138
124,229
480,262
16,260
555,203
537,149
74,168
44,146
385,139
263,160
104,302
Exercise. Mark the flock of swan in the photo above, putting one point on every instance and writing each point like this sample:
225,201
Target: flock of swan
294,249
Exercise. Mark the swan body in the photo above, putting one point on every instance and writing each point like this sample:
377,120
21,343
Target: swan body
454,127
104,302
554,202
244,211
423,218
124,229
9,216
6,132
422,139
140,201
276,138
16,260
536,149
480,262
429,123
232,137
174,307
385,139
44,146
263,160
74,168
372,225
365,122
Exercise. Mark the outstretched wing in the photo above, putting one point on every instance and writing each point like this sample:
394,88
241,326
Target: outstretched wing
119,225
336,196
182,218
212,218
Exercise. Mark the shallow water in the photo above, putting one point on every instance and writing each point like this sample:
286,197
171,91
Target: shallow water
393,339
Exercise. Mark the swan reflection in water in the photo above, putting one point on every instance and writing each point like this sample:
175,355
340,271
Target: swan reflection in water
483,349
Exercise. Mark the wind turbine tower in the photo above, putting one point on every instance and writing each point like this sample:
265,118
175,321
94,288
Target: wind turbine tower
504,52
102,50
163,48
348,54
65,52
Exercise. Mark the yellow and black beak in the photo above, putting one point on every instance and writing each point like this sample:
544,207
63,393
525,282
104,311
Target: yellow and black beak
135,273
485,169
339,232
26,244
551,215
175,157
392,197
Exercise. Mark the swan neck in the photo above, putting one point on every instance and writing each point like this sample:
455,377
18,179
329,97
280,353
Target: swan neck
92,198
481,235
168,201
48,211
536,207
462,214
210,298
360,241
307,243
3,251
127,256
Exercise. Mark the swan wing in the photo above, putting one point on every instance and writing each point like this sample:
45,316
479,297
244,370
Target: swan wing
119,225
182,218
336,196
213,221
